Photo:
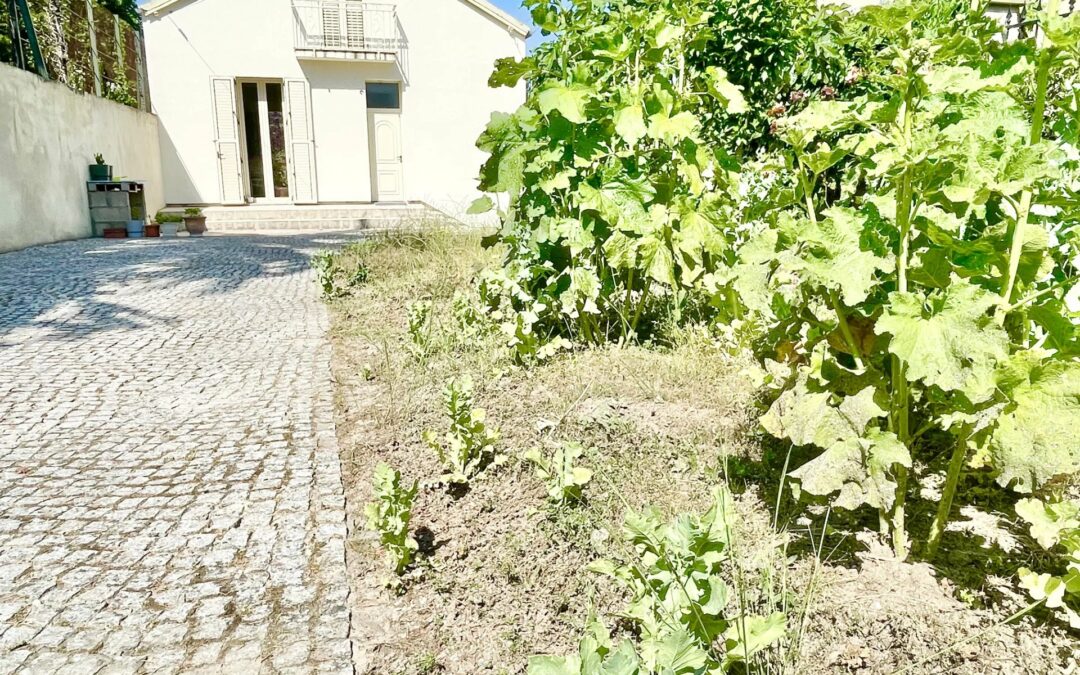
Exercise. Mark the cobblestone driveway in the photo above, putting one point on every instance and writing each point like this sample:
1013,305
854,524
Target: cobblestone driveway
170,489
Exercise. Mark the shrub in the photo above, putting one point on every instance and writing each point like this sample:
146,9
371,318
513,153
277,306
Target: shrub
920,302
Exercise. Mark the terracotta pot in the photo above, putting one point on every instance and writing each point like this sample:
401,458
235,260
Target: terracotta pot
116,233
195,225
152,230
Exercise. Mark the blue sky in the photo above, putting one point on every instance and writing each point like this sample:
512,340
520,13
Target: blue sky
514,7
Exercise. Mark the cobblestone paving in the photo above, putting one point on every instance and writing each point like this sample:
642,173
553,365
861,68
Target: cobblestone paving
170,488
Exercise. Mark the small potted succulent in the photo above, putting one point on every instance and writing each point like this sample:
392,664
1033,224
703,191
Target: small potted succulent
169,222
100,171
194,222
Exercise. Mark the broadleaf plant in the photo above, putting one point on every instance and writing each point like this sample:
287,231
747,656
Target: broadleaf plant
920,300
679,603
468,446
389,515
562,477
1055,525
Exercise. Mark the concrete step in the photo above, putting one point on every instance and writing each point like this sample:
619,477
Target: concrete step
316,224
316,217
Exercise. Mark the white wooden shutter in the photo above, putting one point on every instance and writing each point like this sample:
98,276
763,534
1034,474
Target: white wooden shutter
301,139
331,25
227,140
354,25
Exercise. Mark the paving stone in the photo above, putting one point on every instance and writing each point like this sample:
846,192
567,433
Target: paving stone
170,488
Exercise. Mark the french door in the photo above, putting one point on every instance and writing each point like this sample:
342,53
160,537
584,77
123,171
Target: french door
266,163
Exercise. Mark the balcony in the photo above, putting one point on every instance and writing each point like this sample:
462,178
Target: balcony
347,30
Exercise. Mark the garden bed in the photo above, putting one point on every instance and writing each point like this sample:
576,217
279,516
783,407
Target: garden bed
501,572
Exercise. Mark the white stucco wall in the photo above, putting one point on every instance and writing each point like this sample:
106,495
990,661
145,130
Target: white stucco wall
48,136
445,98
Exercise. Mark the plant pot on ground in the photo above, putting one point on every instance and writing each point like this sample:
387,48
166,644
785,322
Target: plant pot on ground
100,171
135,228
194,222
152,230
115,233
169,222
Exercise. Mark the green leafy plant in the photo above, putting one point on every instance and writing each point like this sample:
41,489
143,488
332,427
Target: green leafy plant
389,516
468,446
325,265
1055,526
360,274
614,200
99,159
562,478
168,217
679,603
420,325
193,212
921,303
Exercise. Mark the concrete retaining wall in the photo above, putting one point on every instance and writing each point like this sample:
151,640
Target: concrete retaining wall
48,136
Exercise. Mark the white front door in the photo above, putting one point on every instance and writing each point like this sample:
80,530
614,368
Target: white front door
389,169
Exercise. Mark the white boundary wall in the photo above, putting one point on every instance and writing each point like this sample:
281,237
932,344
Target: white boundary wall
48,136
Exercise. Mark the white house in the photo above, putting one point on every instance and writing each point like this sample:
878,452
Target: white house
325,101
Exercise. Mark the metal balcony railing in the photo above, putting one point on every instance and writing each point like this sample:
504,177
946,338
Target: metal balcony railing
347,29
1017,16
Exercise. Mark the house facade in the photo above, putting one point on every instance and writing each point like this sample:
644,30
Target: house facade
325,101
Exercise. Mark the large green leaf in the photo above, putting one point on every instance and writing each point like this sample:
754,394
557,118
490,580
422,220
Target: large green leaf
678,652
570,101
860,470
672,129
1038,437
833,258
947,339
630,124
727,93
807,417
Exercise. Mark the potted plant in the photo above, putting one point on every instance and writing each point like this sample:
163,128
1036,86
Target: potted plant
100,171
169,222
152,230
135,229
194,221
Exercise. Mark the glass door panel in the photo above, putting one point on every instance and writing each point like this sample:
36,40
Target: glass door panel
253,140
278,157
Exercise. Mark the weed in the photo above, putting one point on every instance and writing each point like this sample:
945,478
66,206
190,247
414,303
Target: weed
1055,526
389,515
420,326
562,479
469,445
678,602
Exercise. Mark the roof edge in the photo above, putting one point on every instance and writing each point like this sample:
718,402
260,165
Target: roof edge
501,16
155,7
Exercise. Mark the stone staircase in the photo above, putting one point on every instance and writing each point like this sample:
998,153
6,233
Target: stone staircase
259,217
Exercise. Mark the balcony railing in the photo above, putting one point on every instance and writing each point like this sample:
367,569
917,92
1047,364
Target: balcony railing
347,29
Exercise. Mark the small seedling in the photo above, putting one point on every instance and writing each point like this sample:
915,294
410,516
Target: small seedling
420,326
389,515
563,480
469,445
